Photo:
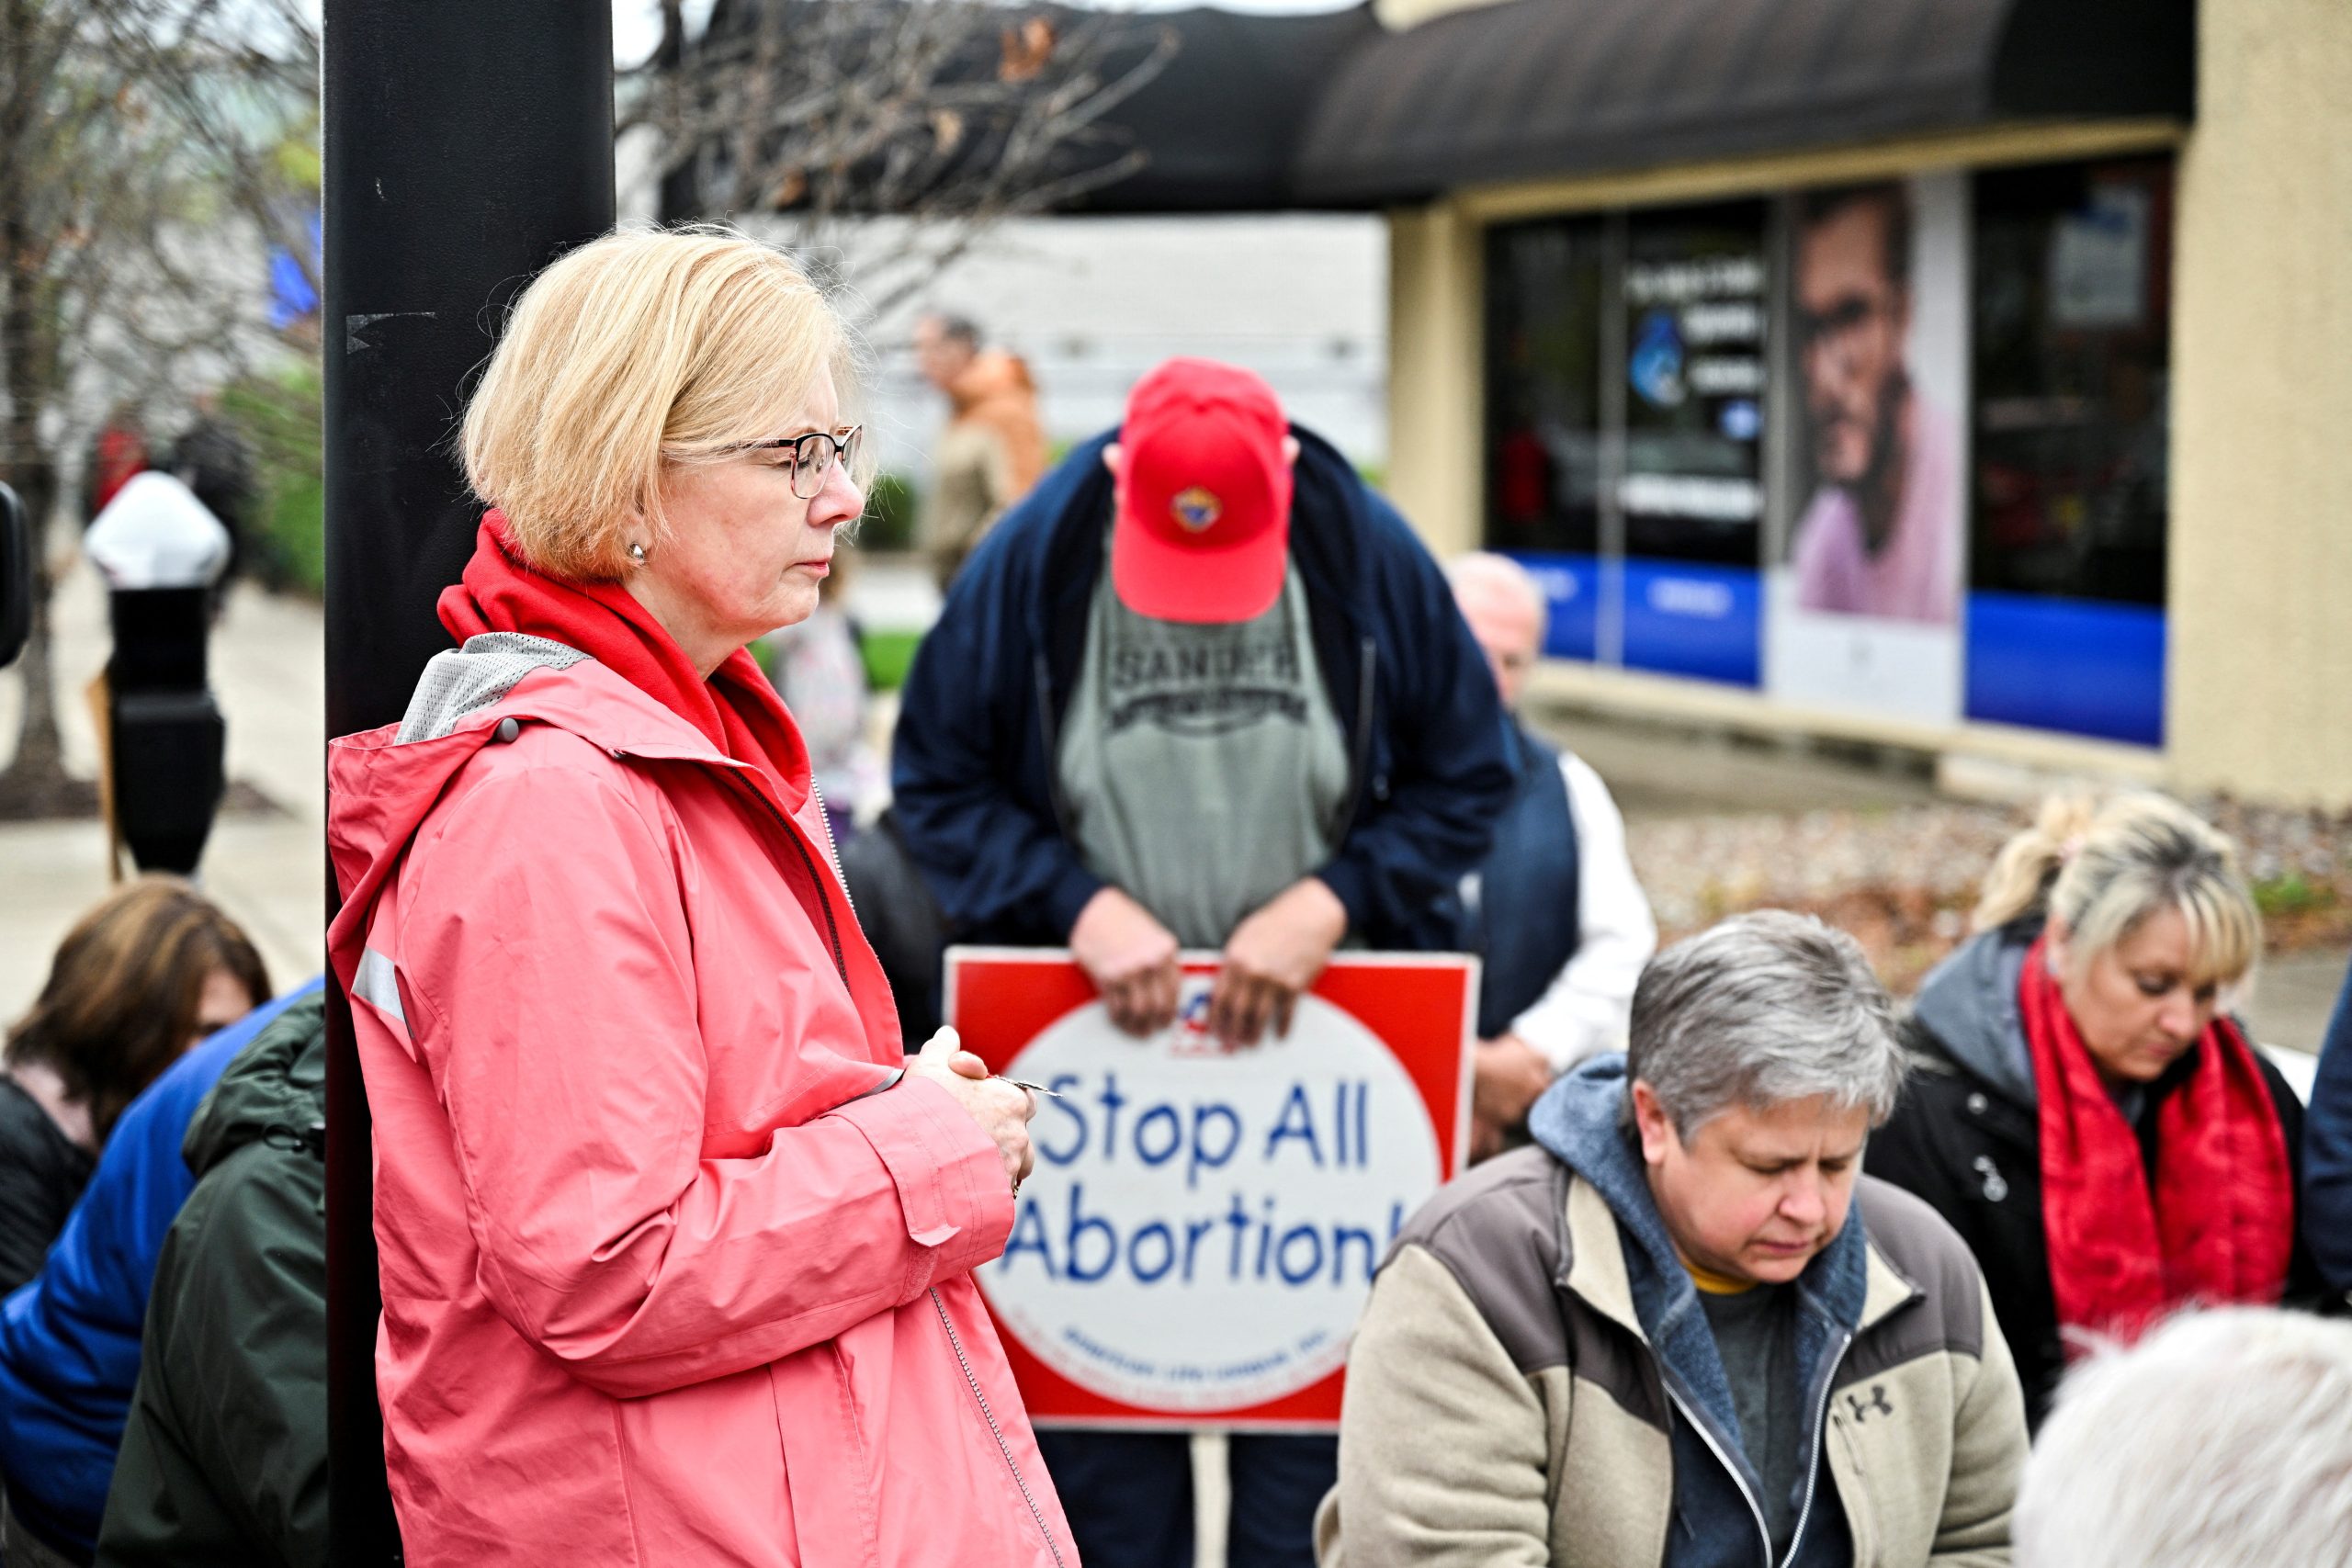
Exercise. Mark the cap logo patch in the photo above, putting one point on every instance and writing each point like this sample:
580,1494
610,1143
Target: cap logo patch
1195,509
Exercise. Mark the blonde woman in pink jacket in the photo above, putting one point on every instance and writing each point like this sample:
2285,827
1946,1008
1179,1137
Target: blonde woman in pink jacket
676,1243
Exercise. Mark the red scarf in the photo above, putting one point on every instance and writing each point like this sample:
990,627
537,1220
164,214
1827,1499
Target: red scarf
736,708
2220,1223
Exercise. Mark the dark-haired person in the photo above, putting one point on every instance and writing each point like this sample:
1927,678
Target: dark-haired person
2099,1131
69,1341
152,970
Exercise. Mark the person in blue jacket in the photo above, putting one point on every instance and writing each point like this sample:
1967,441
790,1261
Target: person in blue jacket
1202,689
2327,1154
69,1339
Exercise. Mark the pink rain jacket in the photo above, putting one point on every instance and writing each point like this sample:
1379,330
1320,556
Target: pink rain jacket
669,1275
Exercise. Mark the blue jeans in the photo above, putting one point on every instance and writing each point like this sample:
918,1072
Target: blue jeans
1129,1496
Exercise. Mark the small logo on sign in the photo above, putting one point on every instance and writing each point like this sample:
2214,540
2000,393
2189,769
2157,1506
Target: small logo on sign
1195,509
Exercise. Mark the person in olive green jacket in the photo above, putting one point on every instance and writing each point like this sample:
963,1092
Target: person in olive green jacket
224,1460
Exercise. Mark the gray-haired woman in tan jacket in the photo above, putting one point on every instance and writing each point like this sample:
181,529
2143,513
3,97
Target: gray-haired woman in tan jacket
1684,1329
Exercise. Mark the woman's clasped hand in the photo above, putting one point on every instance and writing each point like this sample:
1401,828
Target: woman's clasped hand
1002,1108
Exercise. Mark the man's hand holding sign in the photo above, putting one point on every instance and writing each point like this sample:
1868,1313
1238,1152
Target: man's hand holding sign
1274,955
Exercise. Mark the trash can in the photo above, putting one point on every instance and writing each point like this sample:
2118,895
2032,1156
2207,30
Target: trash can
160,551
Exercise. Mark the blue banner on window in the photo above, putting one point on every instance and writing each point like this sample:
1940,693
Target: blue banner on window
1701,621
1571,586
2079,665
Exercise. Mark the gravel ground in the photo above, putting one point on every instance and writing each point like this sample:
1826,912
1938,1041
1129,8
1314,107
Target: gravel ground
1904,879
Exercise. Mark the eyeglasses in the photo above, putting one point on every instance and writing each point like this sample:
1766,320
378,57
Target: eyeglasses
813,455
1837,331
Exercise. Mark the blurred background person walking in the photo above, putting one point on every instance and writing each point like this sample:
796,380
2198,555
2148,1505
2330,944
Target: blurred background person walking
213,458
1555,913
117,454
2085,1114
993,451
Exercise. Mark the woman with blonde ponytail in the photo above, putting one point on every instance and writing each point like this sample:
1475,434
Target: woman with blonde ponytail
2086,1114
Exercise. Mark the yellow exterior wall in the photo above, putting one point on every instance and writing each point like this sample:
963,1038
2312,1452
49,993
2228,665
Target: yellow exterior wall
2260,683
1436,392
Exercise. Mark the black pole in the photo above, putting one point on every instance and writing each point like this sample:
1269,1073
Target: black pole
467,143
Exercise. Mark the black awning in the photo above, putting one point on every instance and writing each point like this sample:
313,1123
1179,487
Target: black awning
1533,88
1219,124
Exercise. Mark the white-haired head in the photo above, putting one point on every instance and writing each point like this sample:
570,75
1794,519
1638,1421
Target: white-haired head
2223,1439
1506,612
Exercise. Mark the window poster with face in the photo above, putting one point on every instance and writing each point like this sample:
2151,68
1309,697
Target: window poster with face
1863,595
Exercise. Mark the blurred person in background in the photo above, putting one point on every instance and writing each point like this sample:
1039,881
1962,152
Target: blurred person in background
116,454
224,1456
142,977
993,450
214,461
1555,913
1203,689
2102,1134
69,1341
819,672
676,1241
2223,1439
1684,1329
2327,1155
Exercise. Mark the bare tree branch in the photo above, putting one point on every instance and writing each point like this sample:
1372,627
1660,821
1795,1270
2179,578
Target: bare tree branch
953,115
151,151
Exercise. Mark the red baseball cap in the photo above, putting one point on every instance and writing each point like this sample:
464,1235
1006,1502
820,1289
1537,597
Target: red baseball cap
1203,528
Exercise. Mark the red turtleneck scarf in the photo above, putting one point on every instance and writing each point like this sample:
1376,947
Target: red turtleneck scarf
2216,1226
737,709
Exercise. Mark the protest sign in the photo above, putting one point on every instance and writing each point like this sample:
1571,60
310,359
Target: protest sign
1203,1226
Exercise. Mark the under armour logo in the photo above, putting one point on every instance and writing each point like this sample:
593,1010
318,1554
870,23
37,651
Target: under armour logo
1877,1401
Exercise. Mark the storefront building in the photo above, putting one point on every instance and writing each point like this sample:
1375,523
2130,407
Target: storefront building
1973,375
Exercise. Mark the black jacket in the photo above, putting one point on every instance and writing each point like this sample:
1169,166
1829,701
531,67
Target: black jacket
42,1173
1966,1137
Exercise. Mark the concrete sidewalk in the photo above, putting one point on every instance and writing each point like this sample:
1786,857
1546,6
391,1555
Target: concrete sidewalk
268,871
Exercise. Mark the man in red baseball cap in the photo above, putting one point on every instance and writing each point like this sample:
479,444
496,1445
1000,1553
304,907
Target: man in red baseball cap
1202,689
1203,463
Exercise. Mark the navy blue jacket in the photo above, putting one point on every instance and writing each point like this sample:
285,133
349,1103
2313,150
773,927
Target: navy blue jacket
69,1340
1528,920
974,771
2327,1153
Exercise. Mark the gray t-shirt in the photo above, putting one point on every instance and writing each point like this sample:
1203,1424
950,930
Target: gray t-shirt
1201,766
1756,1335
